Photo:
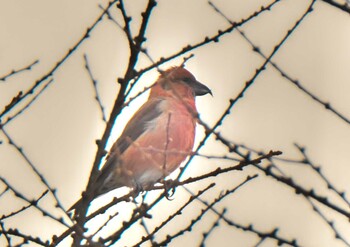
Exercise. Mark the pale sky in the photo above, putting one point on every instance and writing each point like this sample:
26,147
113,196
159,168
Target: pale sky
59,130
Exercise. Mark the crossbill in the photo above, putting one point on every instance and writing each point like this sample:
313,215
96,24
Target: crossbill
158,138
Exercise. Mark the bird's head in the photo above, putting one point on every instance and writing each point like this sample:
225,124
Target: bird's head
178,82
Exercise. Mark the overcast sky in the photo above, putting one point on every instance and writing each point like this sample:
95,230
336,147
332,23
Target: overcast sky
59,130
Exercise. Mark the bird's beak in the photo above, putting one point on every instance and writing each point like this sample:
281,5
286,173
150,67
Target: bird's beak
200,89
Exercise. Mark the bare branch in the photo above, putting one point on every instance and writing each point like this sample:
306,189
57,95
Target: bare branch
14,72
284,74
94,83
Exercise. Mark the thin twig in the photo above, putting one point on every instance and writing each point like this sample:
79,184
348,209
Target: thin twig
14,72
172,216
94,83
212,228
30,204
22,197
28,104
273,234
37,173
61,61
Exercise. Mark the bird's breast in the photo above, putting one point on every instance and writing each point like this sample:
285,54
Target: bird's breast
165,144
173,131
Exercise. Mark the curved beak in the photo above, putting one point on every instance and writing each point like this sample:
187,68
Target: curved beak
200,89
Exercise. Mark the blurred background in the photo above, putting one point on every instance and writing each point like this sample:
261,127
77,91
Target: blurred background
59,129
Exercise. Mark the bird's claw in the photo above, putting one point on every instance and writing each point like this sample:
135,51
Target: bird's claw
169,191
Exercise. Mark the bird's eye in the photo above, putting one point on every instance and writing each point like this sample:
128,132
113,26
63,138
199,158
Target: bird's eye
187,80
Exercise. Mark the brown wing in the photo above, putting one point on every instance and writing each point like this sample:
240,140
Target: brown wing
137,125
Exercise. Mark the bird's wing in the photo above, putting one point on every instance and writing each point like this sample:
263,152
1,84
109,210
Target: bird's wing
137,125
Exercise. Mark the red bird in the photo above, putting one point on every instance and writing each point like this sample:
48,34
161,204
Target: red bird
158,138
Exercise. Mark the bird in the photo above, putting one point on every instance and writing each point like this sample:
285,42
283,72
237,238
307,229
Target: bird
157,139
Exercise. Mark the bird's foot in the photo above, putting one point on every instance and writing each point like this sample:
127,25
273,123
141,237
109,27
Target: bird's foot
169,190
